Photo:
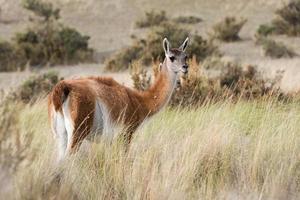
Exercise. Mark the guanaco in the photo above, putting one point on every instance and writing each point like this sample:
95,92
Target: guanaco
82,108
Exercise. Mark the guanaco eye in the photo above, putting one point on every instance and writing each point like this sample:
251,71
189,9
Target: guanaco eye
172,58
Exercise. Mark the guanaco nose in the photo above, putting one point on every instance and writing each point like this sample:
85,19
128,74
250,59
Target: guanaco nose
185,67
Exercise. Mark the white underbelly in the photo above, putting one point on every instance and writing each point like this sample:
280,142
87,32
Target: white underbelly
102,124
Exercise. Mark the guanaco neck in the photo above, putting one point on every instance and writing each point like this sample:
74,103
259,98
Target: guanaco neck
159,94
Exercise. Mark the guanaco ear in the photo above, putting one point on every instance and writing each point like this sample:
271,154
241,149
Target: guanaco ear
166,46
160,66
184,44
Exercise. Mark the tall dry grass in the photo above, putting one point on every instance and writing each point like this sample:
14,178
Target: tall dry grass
247,150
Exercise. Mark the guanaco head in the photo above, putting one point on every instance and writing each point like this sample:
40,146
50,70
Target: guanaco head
176,58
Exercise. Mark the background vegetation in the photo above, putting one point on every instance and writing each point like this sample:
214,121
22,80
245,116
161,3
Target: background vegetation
287,20
149,49
46,42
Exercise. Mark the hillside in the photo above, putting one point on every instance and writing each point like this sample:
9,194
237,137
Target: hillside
110,24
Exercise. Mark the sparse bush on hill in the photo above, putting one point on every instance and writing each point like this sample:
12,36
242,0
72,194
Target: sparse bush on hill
265,30
35,87
274,49
287,21
122,59
202,48
11,58
45,10
187,19
149,49
152,18
228,29
156,18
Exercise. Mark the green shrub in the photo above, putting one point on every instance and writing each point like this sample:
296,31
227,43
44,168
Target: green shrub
74,44
152,18
187,20
46,42
149,49
265,30
122,59
54,45
274,49
35,87
11,58
42,9
287,21
50,42
202,48
228,29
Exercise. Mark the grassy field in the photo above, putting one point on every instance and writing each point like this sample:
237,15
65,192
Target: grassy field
247,150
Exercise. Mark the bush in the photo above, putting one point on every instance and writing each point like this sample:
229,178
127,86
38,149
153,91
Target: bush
42,9
202,48
122,59
187,20
11,58
147,50
247,84
274,49
265,30
287,21
47,42
228,29
35,87
141,79
50,42
233,83
54,45
152,18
